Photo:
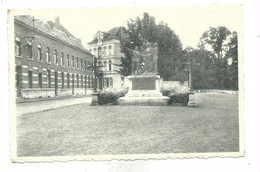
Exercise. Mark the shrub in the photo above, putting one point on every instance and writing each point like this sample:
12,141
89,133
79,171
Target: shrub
110,95
176,94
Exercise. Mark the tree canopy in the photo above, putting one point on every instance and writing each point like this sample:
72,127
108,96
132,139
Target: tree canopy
216,68
214,62
215,38
169,45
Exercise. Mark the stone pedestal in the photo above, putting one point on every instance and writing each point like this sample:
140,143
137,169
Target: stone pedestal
144,90
94,99
192,102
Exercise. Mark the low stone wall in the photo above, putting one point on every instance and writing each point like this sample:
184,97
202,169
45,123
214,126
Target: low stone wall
217,91
89,91
65,92
50,92
38,93
170,84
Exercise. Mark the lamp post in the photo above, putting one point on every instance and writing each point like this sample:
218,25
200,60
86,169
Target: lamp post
95,93
96,73
191,102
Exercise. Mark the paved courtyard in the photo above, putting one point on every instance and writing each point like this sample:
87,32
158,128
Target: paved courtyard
86,130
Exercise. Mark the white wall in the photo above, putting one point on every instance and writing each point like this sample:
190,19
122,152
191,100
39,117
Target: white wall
167,84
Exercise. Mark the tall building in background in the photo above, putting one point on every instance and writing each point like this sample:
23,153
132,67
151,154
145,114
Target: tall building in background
106,47
49,60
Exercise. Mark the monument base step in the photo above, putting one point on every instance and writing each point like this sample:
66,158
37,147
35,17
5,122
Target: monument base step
144,93
144,101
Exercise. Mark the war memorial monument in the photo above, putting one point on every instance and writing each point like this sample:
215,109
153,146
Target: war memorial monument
144,82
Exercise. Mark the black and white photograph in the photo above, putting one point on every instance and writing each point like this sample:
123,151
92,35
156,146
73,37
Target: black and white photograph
126,83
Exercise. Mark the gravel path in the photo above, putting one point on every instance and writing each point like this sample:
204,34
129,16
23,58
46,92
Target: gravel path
39,106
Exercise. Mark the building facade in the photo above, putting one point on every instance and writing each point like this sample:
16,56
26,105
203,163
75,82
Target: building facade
106,47
49,60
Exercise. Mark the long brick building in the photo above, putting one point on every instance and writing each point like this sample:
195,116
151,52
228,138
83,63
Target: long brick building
49,60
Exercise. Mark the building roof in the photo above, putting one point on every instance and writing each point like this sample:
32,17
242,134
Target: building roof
54,29
115,33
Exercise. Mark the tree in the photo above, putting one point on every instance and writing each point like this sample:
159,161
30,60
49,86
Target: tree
202,67
126,60
223,45
232,56
146,30
215,37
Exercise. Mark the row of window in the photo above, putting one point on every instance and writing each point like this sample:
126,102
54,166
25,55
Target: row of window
105,50
74,62
105,65
87,80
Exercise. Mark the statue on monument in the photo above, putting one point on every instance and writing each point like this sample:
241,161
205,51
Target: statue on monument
137,61
145,61
151,57
144,87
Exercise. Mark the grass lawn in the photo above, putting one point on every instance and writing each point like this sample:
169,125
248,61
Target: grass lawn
87,130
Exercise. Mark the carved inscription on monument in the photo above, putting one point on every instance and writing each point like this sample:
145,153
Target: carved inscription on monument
143,84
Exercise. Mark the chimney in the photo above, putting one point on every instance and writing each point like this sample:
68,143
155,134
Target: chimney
57,20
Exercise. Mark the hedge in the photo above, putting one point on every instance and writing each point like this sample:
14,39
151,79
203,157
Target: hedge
110,95
176,94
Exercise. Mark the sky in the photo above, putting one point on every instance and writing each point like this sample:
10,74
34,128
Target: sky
188,22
